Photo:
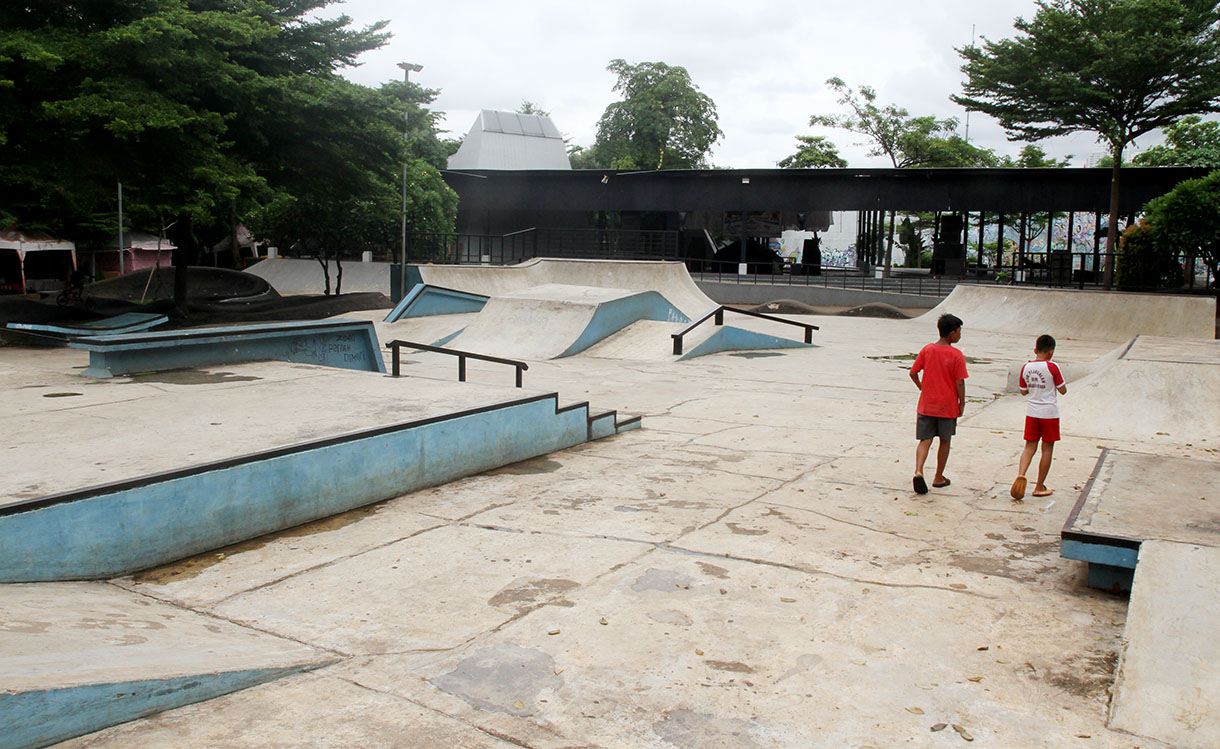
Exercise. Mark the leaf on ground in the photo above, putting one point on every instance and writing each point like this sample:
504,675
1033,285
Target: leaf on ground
915,710
939,726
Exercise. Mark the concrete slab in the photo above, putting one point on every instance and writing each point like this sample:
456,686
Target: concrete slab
293,275
77,657
1168,684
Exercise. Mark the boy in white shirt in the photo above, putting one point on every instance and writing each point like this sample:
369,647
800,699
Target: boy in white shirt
1040,381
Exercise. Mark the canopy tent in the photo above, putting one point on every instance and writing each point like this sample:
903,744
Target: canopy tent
34,260
141,251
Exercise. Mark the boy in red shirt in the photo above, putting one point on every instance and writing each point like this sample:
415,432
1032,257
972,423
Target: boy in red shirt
1040,380
942,398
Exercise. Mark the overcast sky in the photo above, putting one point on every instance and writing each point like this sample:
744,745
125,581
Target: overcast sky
764,63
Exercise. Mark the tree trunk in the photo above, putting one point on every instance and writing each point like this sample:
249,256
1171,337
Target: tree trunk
183,254
325,271
889,248
1112,229
338,274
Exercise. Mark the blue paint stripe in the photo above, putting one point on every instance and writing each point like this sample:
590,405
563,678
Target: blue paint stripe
41,718
1114,556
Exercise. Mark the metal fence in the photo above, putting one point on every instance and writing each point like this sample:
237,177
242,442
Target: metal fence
570,243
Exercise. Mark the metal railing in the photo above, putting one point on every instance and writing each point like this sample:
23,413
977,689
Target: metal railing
396,345
508,249
718,314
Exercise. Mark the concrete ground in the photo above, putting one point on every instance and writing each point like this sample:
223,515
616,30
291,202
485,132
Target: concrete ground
750,569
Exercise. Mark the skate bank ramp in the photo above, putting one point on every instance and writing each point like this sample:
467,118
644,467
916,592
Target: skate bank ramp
1068,313
556,320
669,279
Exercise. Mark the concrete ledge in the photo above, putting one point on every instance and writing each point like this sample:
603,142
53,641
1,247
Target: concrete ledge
425,300
347,344
155,519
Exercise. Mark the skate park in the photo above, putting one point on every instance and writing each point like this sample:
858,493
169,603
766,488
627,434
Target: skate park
630,549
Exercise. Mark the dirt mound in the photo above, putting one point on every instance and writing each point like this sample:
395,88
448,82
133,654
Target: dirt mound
876,309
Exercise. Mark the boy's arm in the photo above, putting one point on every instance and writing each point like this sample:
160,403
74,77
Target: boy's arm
915,379
961,397
1063,389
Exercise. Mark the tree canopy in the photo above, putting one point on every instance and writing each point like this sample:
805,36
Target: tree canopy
662,122
893,133
813,151
1116,68
1190,141
197,105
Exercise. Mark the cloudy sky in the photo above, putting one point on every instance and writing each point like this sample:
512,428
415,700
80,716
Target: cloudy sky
764,63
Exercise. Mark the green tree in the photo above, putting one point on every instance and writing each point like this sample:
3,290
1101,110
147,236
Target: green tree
529,107
813,151
1032,156
1186,221
663,121
1117,68
1190,141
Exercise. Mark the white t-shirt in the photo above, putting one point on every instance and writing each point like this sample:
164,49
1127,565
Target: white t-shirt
1041,378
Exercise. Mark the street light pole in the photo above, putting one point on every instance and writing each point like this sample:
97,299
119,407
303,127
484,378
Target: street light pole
407,69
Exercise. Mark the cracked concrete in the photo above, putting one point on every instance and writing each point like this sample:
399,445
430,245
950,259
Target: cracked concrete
750,569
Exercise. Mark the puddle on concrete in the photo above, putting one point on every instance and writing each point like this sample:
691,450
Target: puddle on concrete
755,354
59,395
527,467
1089,675
735,666
192,567
504,678
191,377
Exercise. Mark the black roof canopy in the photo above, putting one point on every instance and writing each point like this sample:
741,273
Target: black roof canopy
1006,190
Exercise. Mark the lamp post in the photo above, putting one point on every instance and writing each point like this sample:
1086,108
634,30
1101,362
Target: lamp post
407,69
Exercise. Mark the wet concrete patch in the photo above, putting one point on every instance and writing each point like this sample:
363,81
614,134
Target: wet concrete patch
528,594
503,678
527,467
192,377
663,580
687,728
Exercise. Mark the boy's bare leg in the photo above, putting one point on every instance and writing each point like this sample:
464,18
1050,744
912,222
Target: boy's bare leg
921,455
1044,468
1027,457
942,457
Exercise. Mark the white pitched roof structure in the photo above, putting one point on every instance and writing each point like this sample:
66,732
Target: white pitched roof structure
507,140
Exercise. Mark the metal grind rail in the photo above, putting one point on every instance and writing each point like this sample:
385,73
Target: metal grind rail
396,346
718,313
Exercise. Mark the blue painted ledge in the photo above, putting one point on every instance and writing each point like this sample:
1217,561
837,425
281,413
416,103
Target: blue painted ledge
115,529
347,344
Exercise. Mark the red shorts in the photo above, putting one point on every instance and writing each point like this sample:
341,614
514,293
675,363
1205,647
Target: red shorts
1046,430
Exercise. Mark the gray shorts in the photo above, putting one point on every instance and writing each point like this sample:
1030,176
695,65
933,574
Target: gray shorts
927,427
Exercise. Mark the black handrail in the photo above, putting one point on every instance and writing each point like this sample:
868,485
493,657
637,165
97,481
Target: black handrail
462,356
718,313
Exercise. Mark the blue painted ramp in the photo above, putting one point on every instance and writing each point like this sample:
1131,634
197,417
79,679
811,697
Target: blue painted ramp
424,300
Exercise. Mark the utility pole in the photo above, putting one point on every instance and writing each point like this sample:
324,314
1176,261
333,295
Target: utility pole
407,69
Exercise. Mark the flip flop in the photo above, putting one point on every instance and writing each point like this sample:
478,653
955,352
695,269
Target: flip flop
921,486
1046,493
1018,488
942,484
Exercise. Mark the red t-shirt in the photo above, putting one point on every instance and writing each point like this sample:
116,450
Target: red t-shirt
943,368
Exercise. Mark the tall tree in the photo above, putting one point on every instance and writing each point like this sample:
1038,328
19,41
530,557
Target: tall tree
1117,68
663,121
1191,141
813,151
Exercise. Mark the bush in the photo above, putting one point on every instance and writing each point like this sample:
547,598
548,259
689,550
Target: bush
1145,264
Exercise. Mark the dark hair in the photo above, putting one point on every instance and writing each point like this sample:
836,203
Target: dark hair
1044,343
946,324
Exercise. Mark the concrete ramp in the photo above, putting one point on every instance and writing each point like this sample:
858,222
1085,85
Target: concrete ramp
669,279
78,657
1068,313
1152,388
299,275
1168,687
557,320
